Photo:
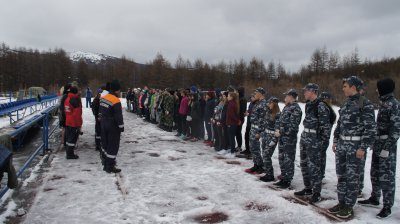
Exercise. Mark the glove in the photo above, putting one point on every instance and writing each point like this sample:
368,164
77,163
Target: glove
384,154
272,143
277,133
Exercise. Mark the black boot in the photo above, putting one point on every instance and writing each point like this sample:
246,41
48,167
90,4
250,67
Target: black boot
303,192
109,166
70,153
267,178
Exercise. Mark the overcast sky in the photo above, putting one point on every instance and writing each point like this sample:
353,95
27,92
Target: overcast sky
212,30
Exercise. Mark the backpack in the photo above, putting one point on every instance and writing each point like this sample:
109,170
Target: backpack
332,114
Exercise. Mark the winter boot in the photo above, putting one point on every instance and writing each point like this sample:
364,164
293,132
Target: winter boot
316,197
267,178
370,202
284,184
303,192
251,170
70,153
335,209
384,213
109,166
345,212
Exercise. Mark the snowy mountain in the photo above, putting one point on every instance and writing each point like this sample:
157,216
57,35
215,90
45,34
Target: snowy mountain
89,57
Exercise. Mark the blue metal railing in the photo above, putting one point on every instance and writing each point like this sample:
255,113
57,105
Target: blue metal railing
42,148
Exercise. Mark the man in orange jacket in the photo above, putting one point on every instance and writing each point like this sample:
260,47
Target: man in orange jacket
112,124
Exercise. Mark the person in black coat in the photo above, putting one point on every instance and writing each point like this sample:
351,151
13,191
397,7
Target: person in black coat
242,112
208,114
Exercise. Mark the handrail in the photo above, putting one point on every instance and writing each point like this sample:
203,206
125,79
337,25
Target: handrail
43,147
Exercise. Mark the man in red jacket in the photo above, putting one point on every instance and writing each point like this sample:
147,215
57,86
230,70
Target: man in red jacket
73,121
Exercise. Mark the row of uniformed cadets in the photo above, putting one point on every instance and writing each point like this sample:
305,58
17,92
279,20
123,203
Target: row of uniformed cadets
356,131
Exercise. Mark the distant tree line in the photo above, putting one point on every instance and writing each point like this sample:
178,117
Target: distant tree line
22,68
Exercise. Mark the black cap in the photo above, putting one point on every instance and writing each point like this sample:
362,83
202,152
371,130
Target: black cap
385,86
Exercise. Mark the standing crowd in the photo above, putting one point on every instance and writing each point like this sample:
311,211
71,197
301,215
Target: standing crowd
217,117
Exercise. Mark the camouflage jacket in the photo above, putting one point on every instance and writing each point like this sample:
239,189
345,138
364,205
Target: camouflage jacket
269,122
317,118
257,117
356,121
290,119
388,120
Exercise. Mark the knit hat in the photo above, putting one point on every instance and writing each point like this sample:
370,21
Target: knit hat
385,86
115,86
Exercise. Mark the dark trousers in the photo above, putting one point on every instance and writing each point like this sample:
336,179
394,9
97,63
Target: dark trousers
231,136
97,134
208,129
88,102
239,135
222,137
71,137
247,137
110,137
183,124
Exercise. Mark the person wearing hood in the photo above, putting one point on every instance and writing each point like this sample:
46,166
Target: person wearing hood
383,163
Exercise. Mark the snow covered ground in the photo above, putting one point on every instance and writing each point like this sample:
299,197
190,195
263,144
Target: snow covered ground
167,180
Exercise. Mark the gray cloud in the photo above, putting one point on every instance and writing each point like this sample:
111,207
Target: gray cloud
213,30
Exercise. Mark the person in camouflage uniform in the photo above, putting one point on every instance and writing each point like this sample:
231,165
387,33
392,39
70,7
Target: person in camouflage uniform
167,116
257,128
268,139
383,163
327,98
316,132
354,133
287,130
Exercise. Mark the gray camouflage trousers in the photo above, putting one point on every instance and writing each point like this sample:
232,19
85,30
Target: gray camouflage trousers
287,154
383,174
268,145
324,148
255,148
362,172
347,171
310,161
